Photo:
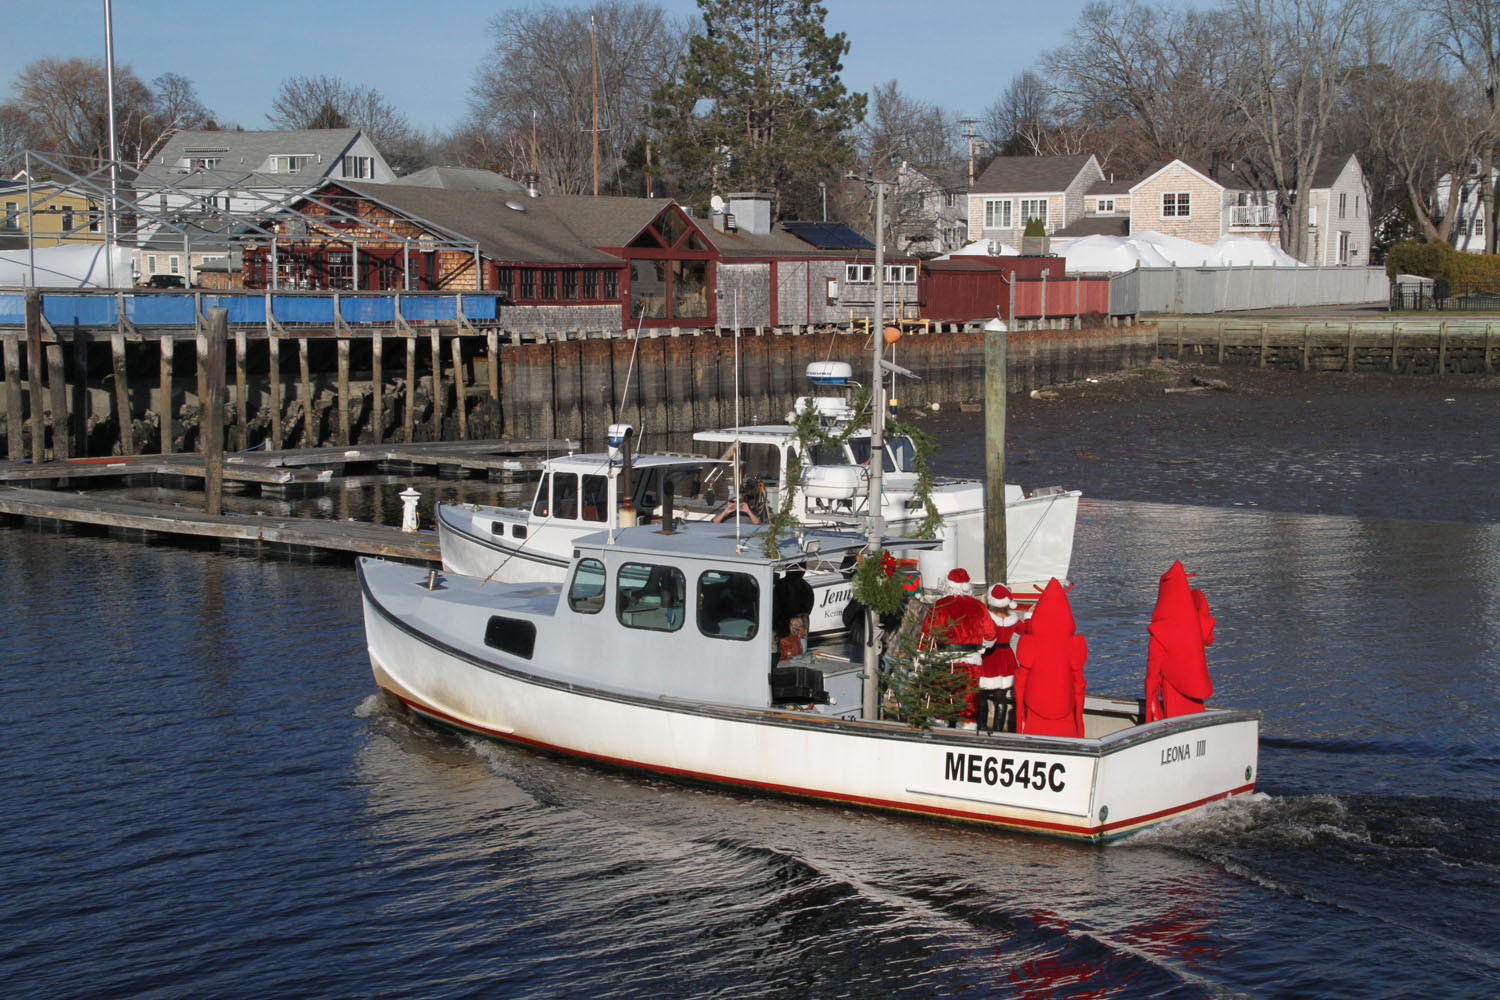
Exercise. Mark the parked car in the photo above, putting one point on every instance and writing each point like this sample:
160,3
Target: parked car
166,281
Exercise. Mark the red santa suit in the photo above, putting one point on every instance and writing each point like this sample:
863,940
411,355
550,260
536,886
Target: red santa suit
1177,681
997,670
1049,673
959,621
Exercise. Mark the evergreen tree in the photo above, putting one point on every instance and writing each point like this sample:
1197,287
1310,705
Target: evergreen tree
759,106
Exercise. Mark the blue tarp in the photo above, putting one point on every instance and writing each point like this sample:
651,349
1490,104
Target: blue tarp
479,306
159,310
368,309
12,309
85,310
240,308
303,308
429,308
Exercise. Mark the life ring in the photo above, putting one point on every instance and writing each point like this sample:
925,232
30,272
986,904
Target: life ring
730,510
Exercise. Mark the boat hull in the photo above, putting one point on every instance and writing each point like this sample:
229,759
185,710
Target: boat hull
1087,789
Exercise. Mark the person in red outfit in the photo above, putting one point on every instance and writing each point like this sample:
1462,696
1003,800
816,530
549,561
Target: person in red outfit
997,670
1177,681
959,623
1049,669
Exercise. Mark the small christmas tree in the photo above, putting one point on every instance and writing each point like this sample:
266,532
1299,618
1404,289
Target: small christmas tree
924,683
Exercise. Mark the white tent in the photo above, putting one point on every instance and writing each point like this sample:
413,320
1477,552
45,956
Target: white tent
983,248
1178,251
1110,253
67,266
1242,251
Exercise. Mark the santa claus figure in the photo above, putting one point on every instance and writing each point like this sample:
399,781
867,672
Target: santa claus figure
1049,669
958,623
997,670
1177,680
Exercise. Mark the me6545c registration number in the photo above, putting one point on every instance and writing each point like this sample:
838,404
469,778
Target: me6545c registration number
987,769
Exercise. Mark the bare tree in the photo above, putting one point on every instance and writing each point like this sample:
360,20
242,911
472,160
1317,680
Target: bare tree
1295,59
1159,73
541,83
1019,120
1469,33
66,103
329,102
898,127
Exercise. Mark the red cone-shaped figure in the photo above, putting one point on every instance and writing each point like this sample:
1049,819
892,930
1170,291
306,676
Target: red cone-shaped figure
1177,680
1049,676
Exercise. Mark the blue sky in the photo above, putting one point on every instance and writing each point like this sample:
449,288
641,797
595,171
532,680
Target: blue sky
958,54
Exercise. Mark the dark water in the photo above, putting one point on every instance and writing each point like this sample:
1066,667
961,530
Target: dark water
203,798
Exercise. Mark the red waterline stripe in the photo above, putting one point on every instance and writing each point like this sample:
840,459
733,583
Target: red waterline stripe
1062,829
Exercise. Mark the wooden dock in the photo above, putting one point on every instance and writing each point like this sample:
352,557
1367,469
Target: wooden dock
66,493
1437,346
135,520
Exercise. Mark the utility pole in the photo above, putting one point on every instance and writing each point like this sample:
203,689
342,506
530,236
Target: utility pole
594,47
114,159
970,123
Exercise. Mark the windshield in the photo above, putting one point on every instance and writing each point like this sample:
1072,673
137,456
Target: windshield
902,452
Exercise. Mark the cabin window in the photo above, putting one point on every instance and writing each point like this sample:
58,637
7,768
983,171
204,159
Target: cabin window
565,496
650,597
595,498
542,505
515,636
728,605
903,453
586,595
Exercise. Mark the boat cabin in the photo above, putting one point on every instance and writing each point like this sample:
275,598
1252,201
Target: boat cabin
688,614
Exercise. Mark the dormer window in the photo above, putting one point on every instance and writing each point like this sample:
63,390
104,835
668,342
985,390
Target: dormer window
359,167
289,164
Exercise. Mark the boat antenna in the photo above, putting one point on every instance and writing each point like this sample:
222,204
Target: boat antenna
635,346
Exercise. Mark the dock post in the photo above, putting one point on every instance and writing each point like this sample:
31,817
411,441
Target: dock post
377,378
211,426
122,393
273,351
1489,366
34,374
492,347
1442,365
79,429
343,363
305,391
1306,346
57,389
15,442
437,385
166,392
241,391
995,371
408,420
458,387
1395,345
1262,345
1349,358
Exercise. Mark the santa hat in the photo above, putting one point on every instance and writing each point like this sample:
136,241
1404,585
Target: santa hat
958,581
1000,597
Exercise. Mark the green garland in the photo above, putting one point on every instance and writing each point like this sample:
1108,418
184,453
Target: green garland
922,686
881,592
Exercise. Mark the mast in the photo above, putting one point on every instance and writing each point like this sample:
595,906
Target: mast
875,519
594,47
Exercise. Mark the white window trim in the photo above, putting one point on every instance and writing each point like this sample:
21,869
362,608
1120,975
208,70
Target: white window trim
1175,196
992,209
1046,206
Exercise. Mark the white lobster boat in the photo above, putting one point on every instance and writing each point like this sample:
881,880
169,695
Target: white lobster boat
655,652
833,488
580,495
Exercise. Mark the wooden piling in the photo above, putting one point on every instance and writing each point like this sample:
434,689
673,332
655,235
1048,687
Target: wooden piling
459,388
211,423
166,391
437,385
122,393
996,558
78,404
34,374
408,419
377,387
1349,348
57,390
343,391
273,352
305,391
14,418
241,391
